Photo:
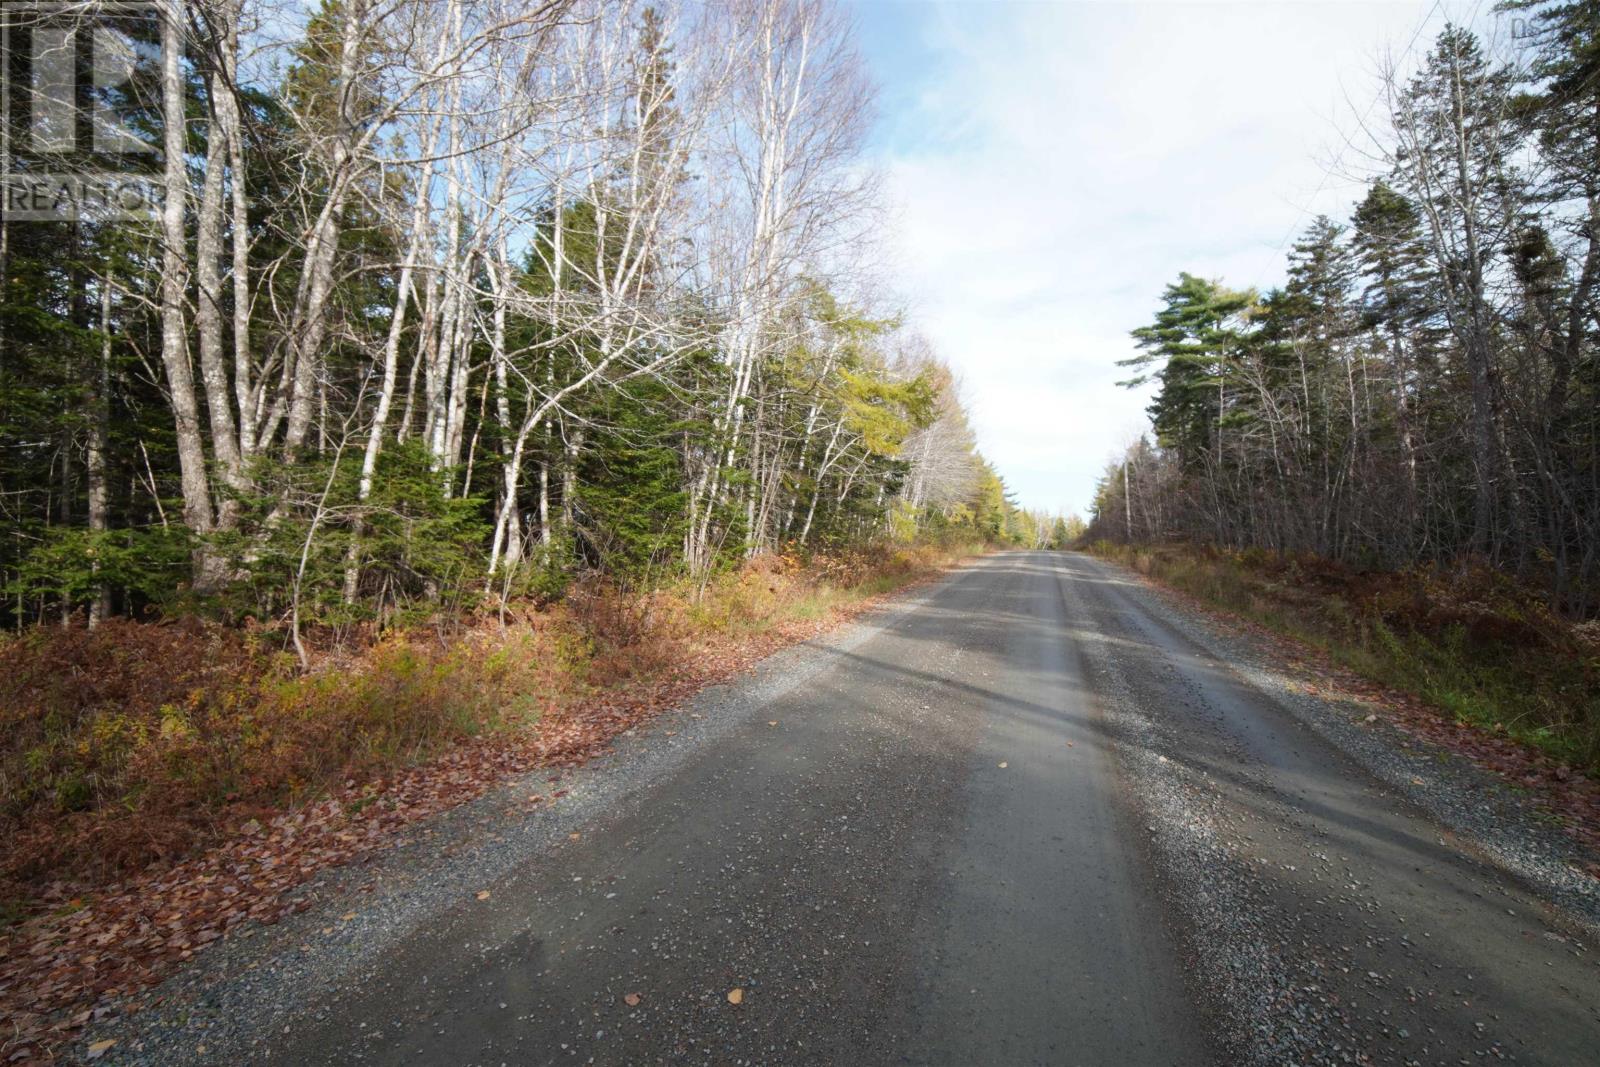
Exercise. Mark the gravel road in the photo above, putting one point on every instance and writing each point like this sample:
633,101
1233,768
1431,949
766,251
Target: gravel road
1035,814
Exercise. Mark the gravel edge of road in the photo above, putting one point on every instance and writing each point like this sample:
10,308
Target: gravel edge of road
1482,809
264,980
1268,1006
248,988
1253,1000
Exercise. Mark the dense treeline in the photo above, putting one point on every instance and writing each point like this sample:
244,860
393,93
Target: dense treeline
451,300
1426,385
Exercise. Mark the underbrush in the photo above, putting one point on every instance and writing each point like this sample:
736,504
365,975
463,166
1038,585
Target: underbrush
771,589
129,743
134,744
1468,640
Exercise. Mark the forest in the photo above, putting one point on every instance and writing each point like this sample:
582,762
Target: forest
1424,387
490,557
429,527
1395,456
450,303
490,377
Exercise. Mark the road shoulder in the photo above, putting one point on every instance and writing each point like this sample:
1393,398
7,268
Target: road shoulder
1504,825
266,980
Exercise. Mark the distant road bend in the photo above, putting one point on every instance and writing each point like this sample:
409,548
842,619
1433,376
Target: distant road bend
1033,815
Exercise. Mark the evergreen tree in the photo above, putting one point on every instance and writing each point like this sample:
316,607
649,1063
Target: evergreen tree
1194,338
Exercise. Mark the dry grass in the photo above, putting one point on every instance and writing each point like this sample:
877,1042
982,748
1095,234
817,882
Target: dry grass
126,744
137,743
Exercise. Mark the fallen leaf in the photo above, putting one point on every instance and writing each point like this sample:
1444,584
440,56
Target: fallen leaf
735,996
772,722
238,880
347,916
1002,765
631,1000
483,894
99,1048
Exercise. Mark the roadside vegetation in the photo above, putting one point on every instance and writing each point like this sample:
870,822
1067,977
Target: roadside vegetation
133,744
1469,641
499,374
162,782
1393,455
498,356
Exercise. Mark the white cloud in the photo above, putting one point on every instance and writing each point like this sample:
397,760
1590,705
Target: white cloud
1056,165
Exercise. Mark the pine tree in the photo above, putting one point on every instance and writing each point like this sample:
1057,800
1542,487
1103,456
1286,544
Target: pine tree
1194,339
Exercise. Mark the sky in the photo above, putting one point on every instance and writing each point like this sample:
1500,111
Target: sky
1051,166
